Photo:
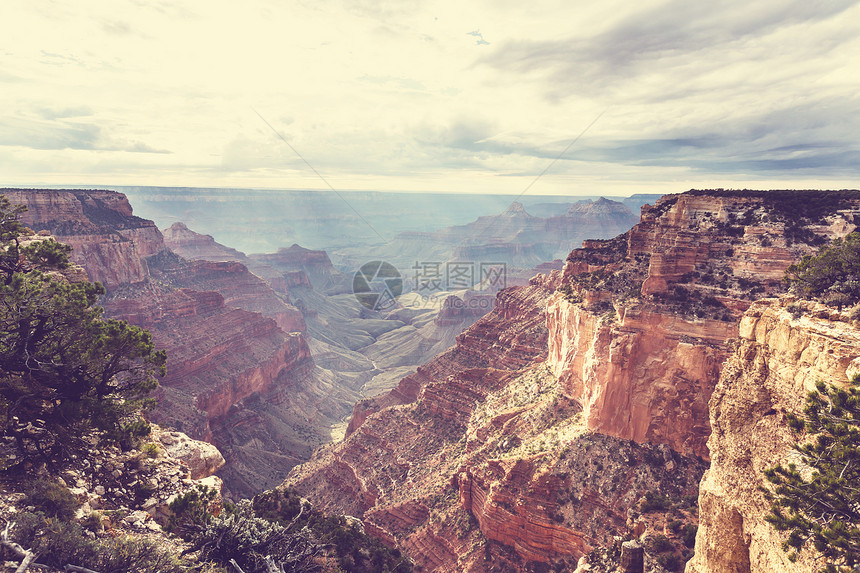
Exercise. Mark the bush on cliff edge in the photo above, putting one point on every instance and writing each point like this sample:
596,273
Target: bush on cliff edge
818,503
832,275
63,368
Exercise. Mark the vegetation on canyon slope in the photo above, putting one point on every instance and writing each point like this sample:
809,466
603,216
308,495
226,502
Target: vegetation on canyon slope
832,275
69,376
817,503
63,367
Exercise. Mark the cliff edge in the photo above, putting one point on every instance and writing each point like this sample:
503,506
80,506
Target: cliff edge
777,359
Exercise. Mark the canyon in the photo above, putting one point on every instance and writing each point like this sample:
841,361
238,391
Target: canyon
467,464
230,339
263,350
638,388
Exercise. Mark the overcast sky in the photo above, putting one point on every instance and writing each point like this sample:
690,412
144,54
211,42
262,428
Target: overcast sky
477,96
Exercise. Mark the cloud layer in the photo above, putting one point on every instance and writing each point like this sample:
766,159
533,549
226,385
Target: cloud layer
449,97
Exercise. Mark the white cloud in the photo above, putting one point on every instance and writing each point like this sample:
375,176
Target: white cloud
403,95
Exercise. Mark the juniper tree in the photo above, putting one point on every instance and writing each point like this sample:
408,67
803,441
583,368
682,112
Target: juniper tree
832,275
818,502
61,362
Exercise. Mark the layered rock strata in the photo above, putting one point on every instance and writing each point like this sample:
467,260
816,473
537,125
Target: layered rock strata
624,343
108,240
230,339
639,327
776,360
480,459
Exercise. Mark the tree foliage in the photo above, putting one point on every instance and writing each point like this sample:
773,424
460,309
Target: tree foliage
832,275
61,362
818,502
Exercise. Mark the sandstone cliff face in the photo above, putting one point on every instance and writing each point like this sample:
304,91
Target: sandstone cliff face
624,343
639,331
646,376
229,337
776,361
109,242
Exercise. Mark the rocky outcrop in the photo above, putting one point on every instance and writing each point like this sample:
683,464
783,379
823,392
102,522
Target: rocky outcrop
203,459
108,240
230,339
776,360
194,246
639,328
646,375
124,492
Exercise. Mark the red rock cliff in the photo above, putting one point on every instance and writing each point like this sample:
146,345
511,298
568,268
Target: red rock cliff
625,344
224,329
109,242
638,331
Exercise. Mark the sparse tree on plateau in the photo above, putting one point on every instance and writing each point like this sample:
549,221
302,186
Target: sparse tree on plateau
832,275
818,503
61,362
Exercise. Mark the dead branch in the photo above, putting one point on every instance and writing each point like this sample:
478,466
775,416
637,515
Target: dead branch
25,563
77,569
16,549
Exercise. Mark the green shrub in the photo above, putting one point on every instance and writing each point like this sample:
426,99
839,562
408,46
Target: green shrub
125,554
820,507
689,534
52,499
56,542
248,539
831,275
59,543
795,309
655,502
659,544
669,561
354,551
130,433
191,512
92,521
150,450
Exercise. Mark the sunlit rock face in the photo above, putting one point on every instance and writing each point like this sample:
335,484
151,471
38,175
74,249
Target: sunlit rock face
639,329
472,460
108,240
776,361
235,351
